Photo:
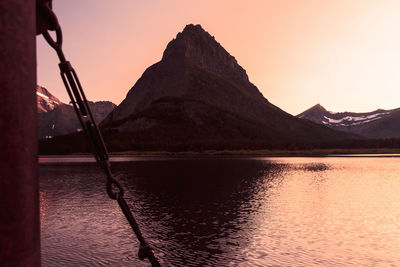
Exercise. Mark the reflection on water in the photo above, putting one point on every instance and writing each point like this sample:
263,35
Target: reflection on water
226,212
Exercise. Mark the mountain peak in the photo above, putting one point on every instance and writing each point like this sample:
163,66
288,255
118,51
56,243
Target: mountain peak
318,107
199,94
191,38
194,29
196,46
194,66
45,100
315,111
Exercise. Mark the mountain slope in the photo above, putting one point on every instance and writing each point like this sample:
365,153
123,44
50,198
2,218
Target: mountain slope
375,124
211,98
56,118
45,100
193,65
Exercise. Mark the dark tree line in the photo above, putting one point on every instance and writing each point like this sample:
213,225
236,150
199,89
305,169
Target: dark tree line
157,141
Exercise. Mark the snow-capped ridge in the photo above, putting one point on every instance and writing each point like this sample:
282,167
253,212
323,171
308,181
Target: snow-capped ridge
45,100
354,122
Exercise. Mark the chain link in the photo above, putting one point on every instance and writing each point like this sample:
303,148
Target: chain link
114,189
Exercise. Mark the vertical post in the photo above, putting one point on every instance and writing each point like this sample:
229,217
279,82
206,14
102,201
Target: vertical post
19,190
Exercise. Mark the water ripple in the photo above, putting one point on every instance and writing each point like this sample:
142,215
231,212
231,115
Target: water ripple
225,212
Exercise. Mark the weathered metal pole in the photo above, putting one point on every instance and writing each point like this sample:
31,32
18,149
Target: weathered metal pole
19,189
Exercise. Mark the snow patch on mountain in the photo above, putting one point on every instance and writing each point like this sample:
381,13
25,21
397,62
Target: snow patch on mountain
379,123
354,120
45,100
42,95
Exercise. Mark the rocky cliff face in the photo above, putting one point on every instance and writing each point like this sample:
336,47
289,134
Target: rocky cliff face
198,47
197,93
101,109
194,65
45,100
56,118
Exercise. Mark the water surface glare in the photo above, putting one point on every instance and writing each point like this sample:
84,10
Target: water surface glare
224,212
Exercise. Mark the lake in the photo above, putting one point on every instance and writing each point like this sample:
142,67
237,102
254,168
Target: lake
332,211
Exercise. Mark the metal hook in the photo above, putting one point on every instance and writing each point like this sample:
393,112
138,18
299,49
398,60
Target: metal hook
56,44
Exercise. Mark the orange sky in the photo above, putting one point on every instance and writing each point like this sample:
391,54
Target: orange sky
343,54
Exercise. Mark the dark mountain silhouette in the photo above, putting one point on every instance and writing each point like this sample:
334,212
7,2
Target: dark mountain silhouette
375,124
198,93
56,118
316,114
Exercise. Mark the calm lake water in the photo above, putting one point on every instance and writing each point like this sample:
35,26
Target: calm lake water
224,212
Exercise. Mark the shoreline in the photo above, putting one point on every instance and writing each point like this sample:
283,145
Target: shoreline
378,152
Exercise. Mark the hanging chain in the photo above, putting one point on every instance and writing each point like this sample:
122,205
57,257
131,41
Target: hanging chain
89,126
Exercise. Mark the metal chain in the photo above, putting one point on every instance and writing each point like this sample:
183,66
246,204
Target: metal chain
114,189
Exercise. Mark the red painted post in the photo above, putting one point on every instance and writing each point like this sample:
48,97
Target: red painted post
19,189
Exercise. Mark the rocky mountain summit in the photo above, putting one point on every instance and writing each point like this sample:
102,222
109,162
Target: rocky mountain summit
45,100
193,66
198,93
375,124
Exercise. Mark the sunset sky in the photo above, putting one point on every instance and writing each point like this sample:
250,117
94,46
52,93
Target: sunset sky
343,54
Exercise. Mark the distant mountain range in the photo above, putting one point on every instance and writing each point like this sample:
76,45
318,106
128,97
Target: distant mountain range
56,118
375,124
198,95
